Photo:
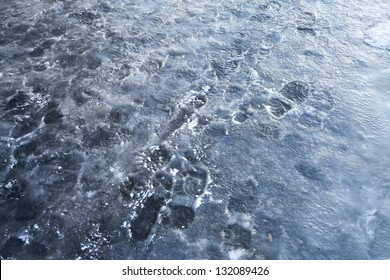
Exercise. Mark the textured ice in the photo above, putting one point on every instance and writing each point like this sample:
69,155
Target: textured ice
194,130
379,35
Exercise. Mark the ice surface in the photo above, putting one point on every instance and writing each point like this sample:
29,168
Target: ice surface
194,130
379,35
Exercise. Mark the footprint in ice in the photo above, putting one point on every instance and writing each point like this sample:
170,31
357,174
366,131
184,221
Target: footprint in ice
273,6
85,17
306,22
369,223
183,115
296,91
279,107
143,223
181,216
261,17
193,184
160,178
269,42
309,171
293,94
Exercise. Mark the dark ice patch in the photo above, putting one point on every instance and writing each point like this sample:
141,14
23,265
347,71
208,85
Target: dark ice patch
37,52
309,171
25,126
222,114
121,114
66,160
54,116
93,62
20,28
26,210
181,216
15,191
27,149
4,156
236,204
47,44
58,30
17,102
3,56
11,248
7,89
143,223
39,67
313,53
37,250
39,88
190,154
213,252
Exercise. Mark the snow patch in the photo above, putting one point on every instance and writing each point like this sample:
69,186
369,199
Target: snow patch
379,35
